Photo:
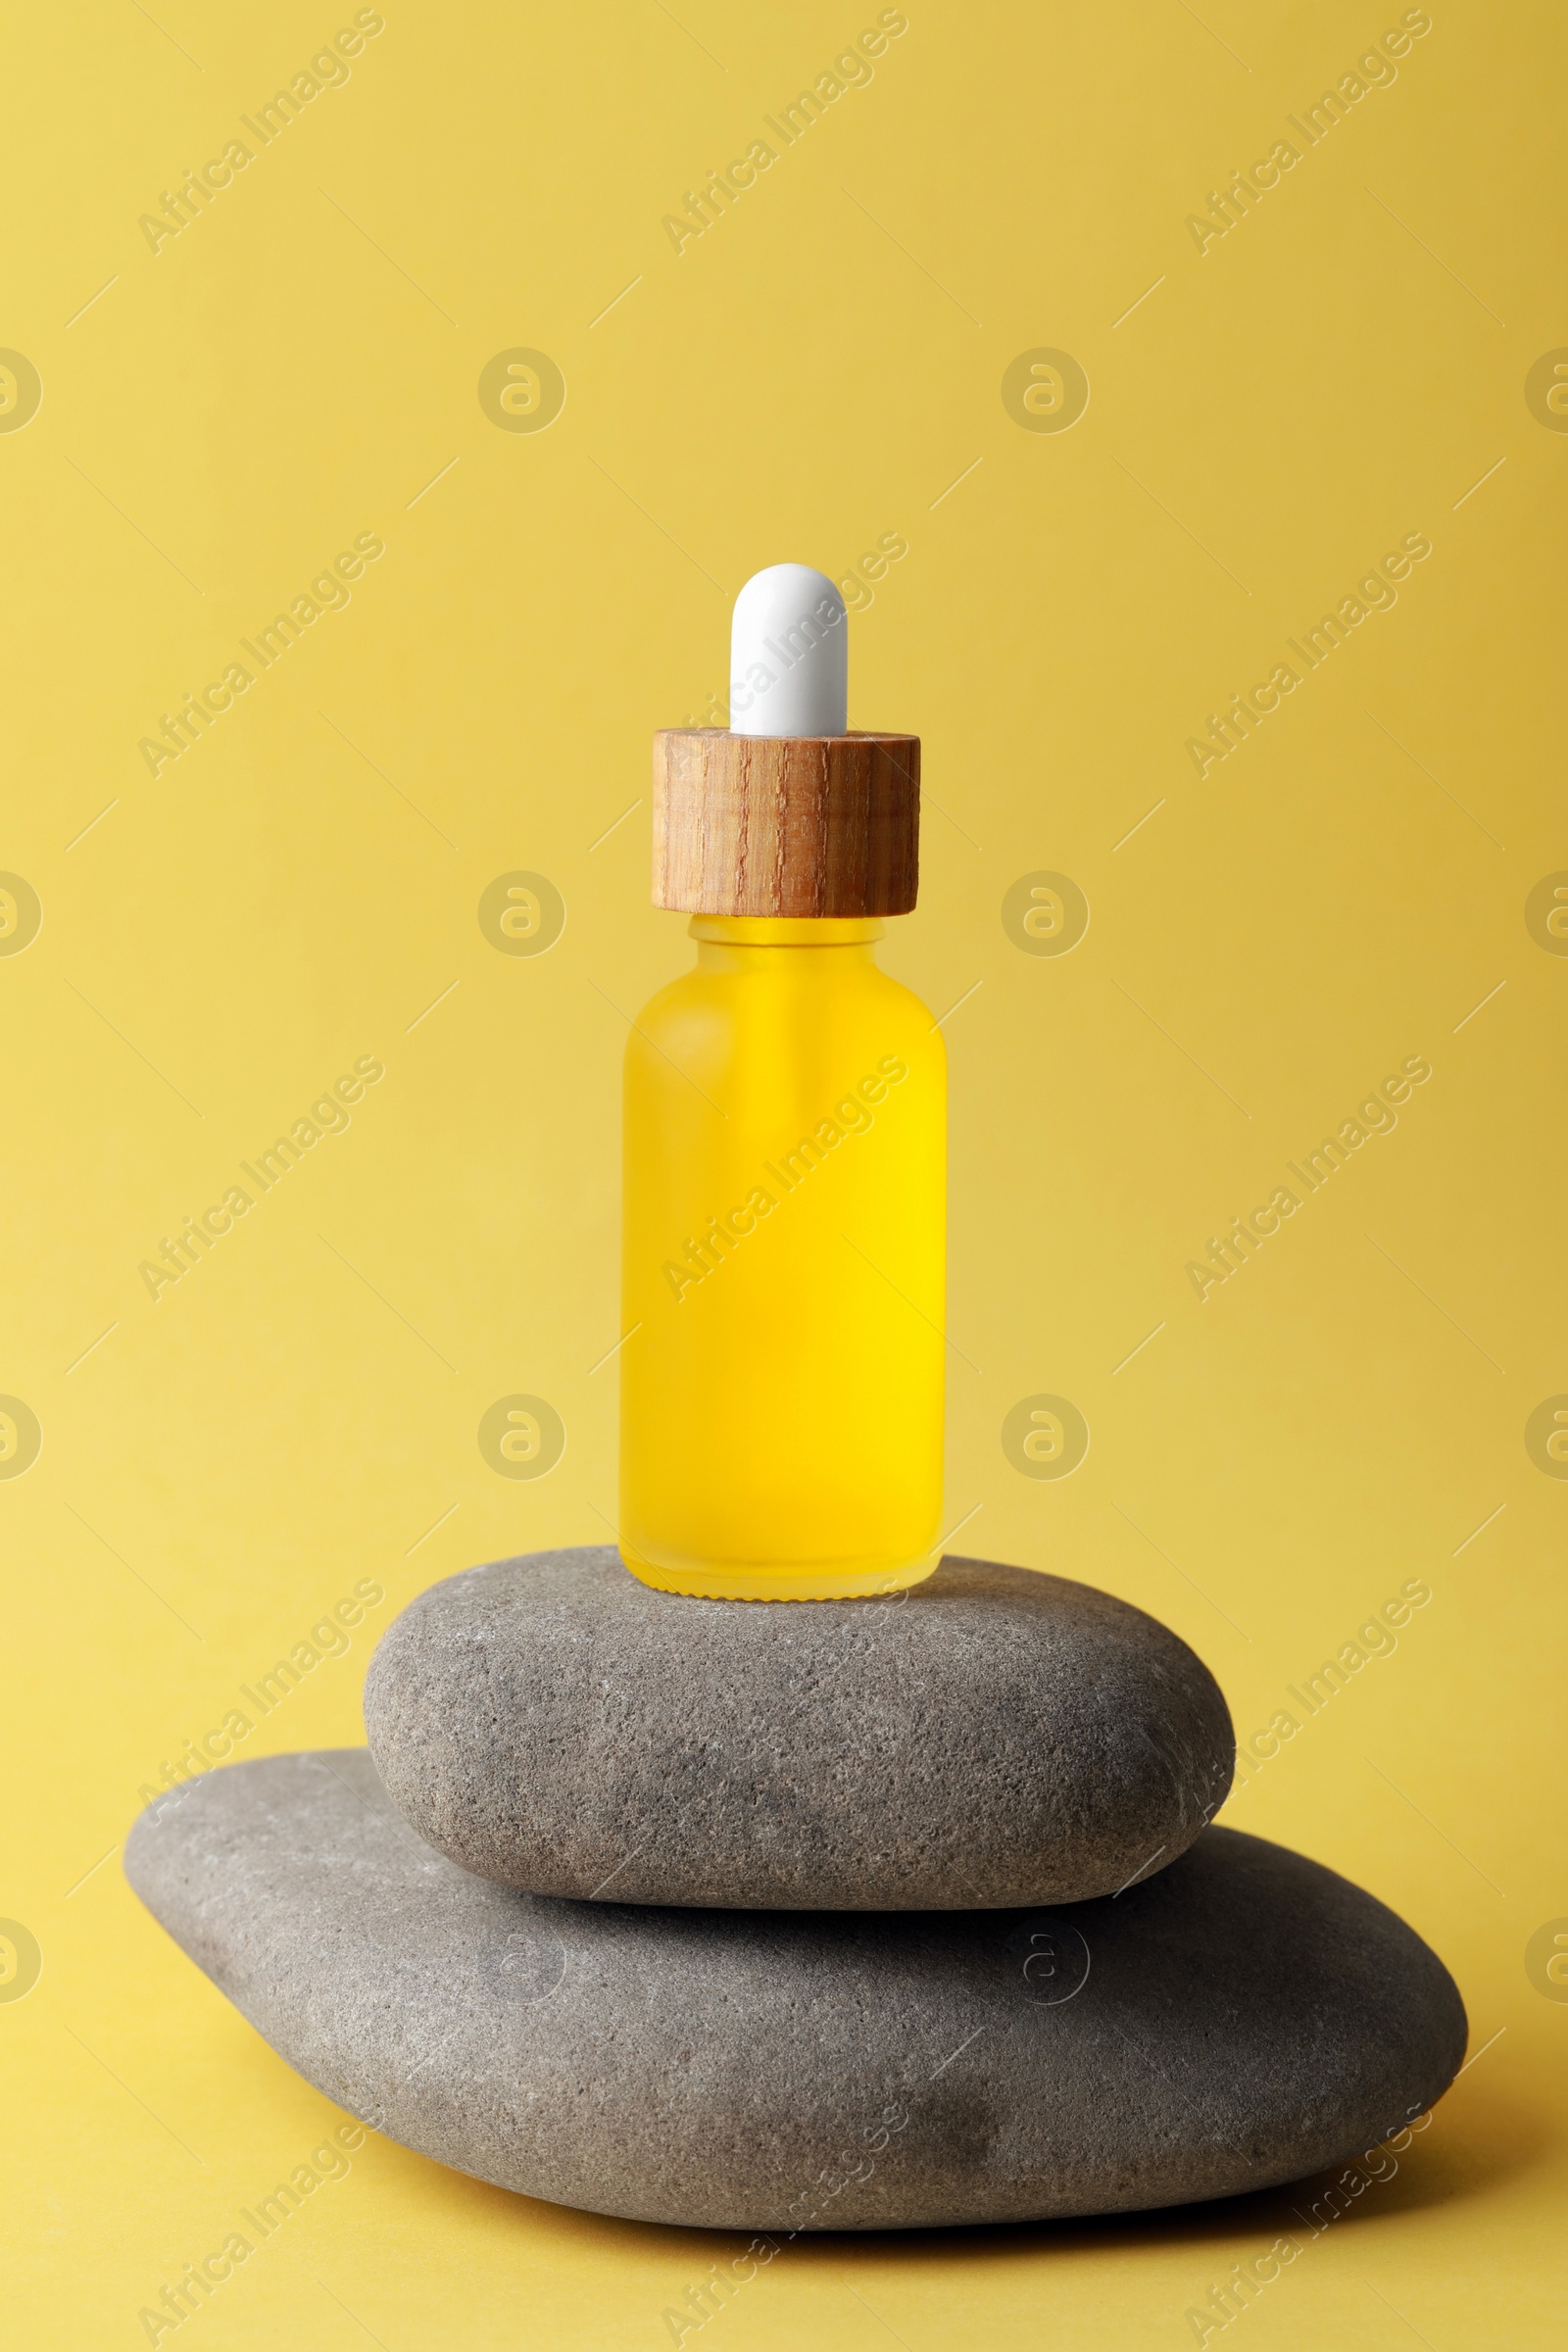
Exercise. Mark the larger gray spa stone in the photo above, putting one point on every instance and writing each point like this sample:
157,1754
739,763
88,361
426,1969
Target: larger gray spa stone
1241,2019
992,1737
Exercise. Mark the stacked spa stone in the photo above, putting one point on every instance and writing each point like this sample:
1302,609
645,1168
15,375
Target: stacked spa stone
843,1915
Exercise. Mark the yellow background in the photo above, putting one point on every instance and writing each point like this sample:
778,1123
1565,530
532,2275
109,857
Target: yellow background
815,371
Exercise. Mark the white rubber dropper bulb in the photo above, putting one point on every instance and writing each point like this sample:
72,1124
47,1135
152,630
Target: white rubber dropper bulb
789,666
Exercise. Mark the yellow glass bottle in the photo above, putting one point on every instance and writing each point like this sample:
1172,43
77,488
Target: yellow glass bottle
783,1270
784,1193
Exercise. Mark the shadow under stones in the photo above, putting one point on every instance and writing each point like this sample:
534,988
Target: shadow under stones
1500,2137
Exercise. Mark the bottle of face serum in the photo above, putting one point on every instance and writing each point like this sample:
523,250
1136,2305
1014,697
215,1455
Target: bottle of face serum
781,1384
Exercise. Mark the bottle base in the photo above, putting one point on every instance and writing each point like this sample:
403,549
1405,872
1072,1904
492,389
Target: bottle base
722,1583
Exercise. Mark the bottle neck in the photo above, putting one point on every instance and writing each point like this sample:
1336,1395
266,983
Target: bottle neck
737,942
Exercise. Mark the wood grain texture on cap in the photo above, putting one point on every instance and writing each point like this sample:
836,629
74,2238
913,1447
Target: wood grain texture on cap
791,825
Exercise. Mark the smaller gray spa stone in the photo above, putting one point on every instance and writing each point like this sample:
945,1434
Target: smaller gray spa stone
1239,2020
989,1737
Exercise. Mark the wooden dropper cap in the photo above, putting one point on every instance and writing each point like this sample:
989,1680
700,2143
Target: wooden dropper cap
787,814
785,825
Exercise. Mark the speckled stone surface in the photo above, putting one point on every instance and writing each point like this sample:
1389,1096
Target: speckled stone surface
1238,2019
992,1737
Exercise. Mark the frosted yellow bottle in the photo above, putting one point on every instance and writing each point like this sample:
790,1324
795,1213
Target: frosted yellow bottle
784,1151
